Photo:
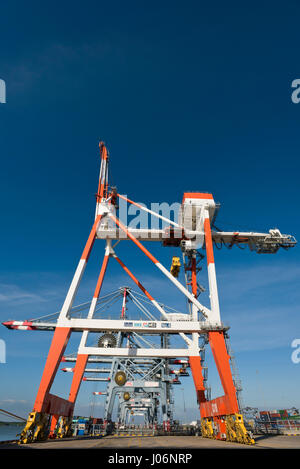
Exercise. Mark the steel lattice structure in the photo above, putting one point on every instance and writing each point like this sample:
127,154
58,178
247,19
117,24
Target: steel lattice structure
194,232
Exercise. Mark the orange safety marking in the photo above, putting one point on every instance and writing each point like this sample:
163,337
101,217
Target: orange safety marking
194,277
208,242
128,200
196,368
91,239
101,276
101,187
196,195
221,357
136,281
142,248
80,365
58,345
219,406
53,424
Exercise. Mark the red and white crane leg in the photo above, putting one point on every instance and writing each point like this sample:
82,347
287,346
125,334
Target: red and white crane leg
82,359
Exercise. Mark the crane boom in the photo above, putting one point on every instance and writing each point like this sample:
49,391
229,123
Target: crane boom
262,243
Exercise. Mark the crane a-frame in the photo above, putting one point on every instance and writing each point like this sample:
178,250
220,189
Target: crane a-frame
194,232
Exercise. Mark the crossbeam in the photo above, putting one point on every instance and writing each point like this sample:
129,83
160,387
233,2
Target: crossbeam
135,352
140,327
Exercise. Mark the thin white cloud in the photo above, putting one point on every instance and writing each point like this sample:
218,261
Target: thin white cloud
270,323
13,401
10,292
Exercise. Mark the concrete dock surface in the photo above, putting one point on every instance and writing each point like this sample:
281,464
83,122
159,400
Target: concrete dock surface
159,442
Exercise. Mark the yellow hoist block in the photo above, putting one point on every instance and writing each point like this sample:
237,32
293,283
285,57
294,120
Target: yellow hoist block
175,267
236,431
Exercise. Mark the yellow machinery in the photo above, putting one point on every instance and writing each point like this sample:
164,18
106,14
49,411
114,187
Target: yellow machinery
65,428
236,431
35,428
207,428
175,267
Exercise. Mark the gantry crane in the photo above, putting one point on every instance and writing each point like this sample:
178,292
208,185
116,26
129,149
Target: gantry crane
125,375
195,234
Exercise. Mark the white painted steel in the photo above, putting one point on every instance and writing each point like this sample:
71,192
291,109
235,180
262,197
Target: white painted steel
153,327
160,309
72,290
213,289
160,235
205,311
157,215
137,352
97,379
140,234
213,293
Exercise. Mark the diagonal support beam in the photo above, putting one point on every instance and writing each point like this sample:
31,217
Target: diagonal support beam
212,279
149,211
79,271
205,311
82,359
150,297
195,361
58,345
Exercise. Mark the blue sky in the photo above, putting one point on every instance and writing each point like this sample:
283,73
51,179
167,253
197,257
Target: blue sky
187,97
